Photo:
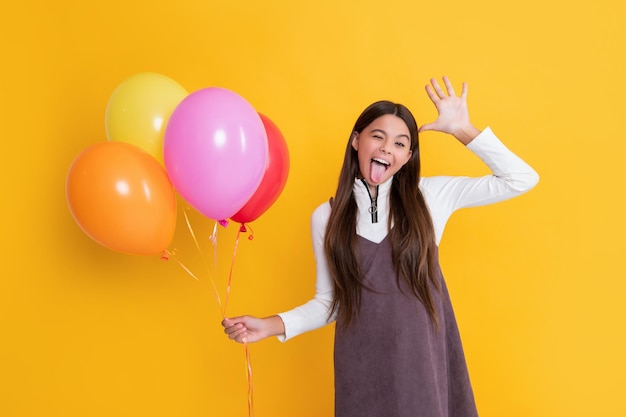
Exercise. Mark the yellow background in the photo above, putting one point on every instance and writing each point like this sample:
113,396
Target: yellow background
537,282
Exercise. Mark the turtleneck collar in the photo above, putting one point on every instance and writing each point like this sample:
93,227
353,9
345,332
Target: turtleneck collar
375,207
359,187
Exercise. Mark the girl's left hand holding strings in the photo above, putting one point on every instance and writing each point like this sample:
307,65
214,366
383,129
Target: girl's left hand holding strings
249,329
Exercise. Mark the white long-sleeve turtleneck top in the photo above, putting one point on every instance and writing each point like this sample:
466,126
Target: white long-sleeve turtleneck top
510,177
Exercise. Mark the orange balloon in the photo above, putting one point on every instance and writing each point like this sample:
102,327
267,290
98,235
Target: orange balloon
122,198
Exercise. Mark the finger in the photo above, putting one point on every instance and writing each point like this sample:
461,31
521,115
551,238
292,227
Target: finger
427,126
449,86
238,334
437,88
433,96
464,90
234,329
228,322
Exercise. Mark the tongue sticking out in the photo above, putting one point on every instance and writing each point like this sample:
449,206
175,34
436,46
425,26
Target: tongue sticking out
377,171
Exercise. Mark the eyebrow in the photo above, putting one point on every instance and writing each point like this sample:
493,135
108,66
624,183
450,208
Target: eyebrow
385,133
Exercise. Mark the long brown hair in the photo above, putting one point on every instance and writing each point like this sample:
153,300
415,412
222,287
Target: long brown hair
412,236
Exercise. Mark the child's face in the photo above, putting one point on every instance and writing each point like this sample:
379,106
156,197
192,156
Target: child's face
383,147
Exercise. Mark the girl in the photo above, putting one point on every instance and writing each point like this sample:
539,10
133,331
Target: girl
397,347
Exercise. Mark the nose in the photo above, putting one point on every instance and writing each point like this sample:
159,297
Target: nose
384,147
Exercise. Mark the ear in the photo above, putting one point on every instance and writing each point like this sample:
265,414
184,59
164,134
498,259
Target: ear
408,158
355,141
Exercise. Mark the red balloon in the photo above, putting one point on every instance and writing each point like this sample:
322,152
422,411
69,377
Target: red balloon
274,177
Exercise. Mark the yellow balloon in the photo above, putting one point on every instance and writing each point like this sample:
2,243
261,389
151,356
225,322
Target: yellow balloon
139,108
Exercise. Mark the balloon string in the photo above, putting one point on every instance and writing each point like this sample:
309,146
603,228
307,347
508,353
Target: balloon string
193,235
250,384
230,273
213,239
242,229
166,255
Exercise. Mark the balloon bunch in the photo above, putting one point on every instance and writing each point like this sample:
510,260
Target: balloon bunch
224,158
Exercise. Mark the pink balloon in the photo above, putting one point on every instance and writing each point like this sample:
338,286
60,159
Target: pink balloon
215,151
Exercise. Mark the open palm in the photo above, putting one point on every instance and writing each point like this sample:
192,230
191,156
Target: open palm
453,115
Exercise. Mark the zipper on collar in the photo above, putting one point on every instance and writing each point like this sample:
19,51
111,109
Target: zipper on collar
373,208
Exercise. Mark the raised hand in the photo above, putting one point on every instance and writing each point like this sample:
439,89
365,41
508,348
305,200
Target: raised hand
453,116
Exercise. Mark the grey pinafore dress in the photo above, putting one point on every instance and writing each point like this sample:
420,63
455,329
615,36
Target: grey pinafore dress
392,362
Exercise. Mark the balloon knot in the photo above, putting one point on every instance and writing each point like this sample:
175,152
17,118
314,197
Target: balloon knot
223,223
165,255
243,229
